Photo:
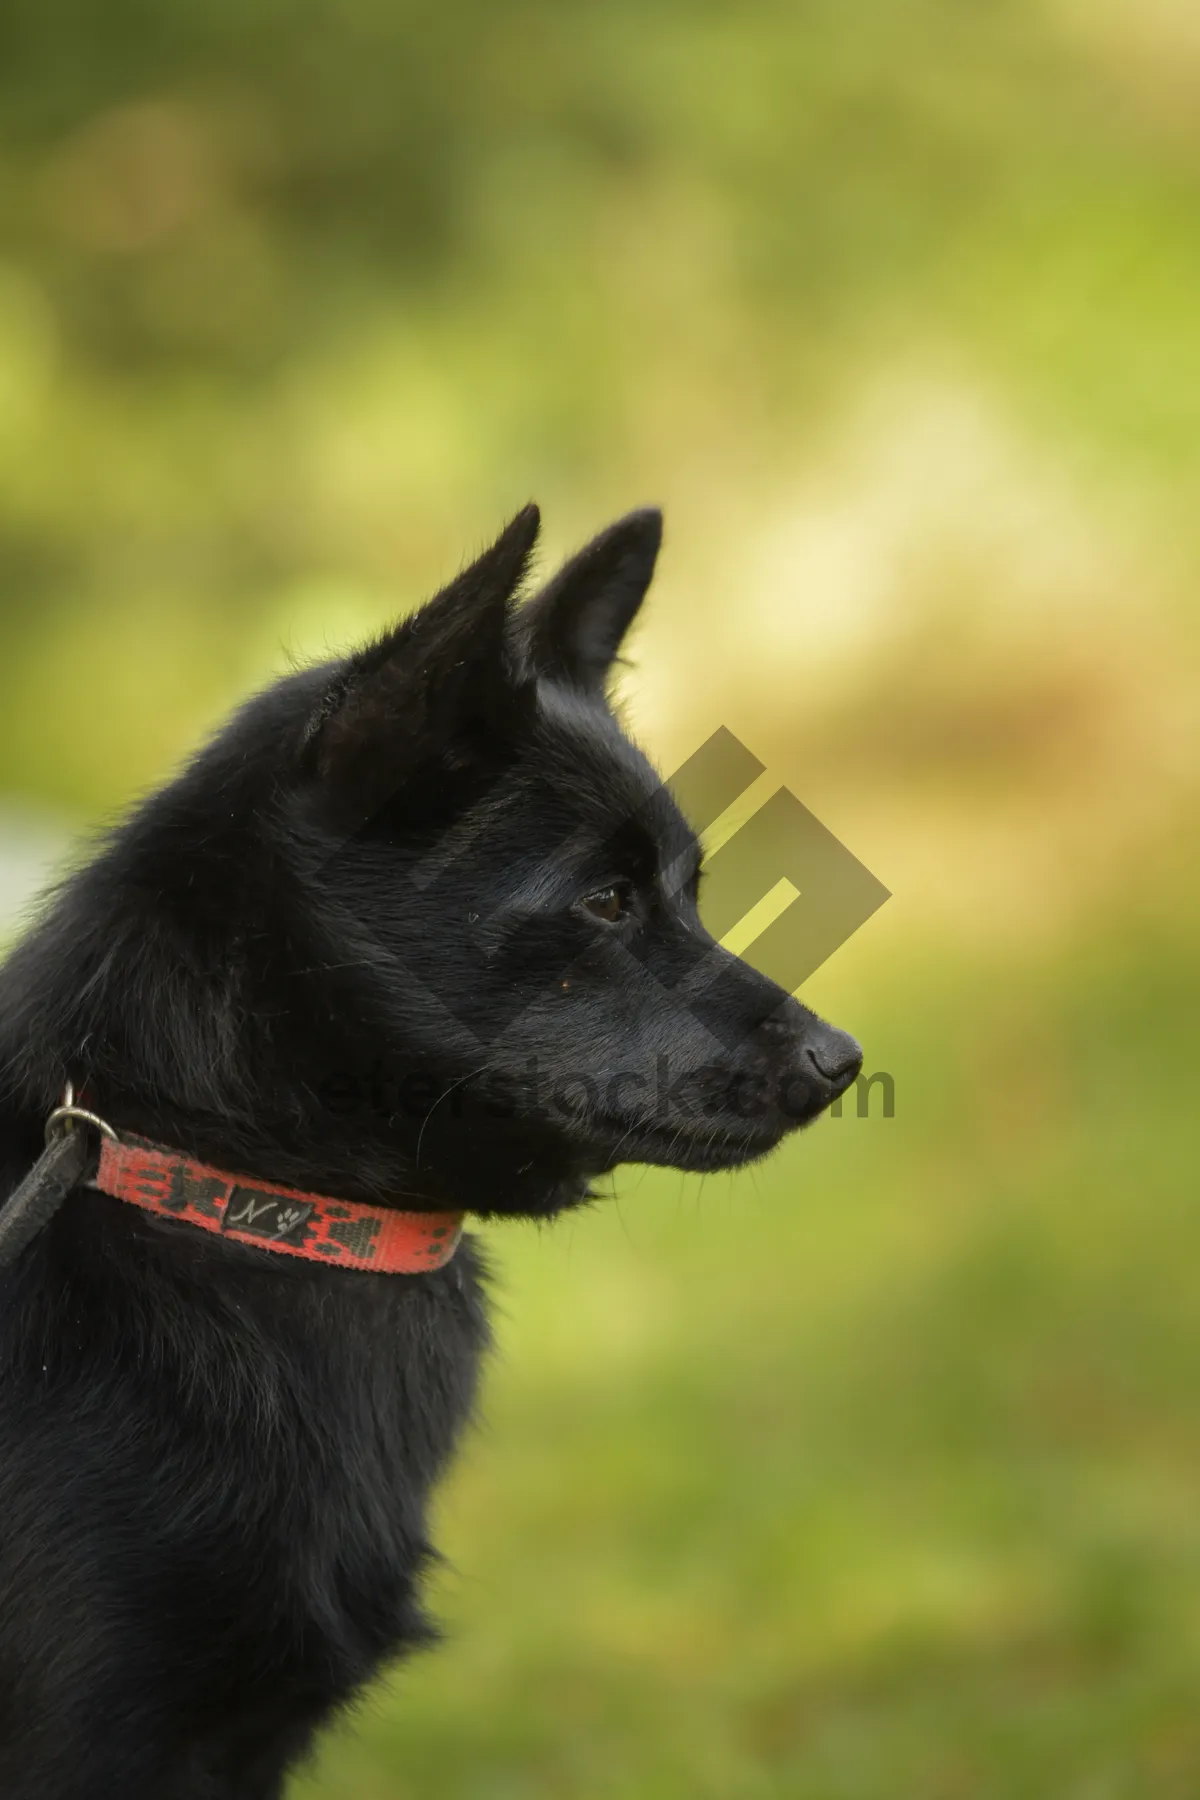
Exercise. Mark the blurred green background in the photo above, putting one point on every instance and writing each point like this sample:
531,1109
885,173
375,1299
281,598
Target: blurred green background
873,1474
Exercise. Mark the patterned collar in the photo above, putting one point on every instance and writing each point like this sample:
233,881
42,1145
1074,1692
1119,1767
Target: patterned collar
340,1233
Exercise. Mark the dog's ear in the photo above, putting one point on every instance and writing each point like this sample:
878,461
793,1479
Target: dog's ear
437,684
572,630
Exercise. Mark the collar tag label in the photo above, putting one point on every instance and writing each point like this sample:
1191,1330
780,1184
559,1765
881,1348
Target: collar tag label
264,1215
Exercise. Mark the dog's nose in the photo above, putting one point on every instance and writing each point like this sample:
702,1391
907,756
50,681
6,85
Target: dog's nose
835,1055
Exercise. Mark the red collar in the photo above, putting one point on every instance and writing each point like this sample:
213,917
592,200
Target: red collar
340,1233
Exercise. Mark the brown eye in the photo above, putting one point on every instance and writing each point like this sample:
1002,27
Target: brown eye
606,903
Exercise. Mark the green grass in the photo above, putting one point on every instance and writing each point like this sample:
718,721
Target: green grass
871,1473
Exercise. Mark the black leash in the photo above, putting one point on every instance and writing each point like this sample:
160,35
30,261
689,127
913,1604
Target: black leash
37,1199
34,1202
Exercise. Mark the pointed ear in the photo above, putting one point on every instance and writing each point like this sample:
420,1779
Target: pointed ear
572,630
440,680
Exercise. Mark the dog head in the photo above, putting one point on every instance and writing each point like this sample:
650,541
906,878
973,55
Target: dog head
423,923
509,902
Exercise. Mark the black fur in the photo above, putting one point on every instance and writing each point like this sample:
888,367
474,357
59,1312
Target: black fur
355,947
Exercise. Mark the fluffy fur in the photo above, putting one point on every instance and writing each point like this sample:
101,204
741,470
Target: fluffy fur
417,927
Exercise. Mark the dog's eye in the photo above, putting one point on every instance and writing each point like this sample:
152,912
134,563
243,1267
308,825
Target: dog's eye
607,903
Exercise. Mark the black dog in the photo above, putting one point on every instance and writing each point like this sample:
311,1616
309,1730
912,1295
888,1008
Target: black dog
353,950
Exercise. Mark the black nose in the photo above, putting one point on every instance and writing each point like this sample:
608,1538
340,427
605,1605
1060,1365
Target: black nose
836,1055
